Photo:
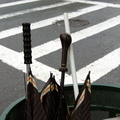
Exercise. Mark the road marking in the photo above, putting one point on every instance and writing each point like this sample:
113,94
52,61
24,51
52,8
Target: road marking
46,22
33,10
16,3
97,3
16,60
54,45
99,68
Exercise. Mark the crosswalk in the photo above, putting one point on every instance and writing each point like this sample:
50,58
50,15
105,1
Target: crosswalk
99,67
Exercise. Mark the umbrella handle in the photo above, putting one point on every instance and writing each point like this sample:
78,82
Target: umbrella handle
65,41
27,43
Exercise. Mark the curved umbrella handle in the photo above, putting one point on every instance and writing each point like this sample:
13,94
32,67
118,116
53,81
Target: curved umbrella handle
65,41
27,43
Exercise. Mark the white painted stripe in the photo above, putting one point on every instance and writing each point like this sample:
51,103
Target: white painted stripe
33,10
43,23
15,59
17,3
97,3
99,68
54,45
41,71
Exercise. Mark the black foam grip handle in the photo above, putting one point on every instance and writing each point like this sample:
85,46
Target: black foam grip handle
27,43
65,41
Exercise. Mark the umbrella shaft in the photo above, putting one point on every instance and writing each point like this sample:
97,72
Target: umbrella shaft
27,68
62,84
63,70
25,77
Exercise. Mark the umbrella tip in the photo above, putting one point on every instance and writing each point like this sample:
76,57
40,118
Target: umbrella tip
51,75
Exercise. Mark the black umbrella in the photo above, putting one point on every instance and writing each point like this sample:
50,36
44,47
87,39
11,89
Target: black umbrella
34,109
62,113
50,96
81,109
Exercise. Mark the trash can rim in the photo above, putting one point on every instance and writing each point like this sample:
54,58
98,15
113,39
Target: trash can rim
109,87
8,109
67,87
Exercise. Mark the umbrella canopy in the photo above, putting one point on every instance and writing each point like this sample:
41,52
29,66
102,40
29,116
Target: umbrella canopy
50,98
34,107
82,104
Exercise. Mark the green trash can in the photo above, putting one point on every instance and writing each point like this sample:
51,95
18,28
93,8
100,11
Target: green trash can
105,103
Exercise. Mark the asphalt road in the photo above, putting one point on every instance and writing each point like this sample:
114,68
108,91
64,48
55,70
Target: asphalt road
95,30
